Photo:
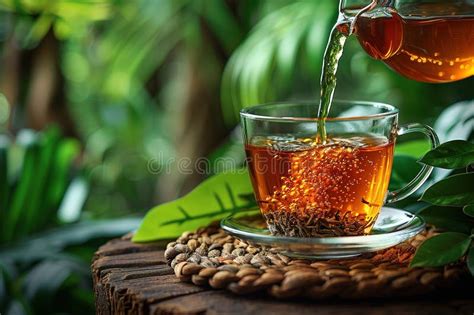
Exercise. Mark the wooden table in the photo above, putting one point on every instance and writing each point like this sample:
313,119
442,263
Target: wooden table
135,279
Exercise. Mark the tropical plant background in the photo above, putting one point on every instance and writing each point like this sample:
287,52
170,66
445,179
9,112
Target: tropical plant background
100,98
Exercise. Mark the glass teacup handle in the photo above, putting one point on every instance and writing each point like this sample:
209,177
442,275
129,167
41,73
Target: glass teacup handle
425,171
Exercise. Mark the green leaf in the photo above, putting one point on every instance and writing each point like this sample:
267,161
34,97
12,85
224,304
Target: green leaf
59,177
4,185
20,197
469,210
34,215
404,170
73,201
223,23
54,241
441,250
448,218
456,190
451,155
283,45
3,286
414,207
38,30
18,306
213,199
456,122
46,278
413,148
470,260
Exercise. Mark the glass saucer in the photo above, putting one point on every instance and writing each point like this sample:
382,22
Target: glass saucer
392,227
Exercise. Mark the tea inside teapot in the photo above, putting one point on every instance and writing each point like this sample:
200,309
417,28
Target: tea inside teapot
428,41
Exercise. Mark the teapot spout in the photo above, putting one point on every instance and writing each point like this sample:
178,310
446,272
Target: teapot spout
381,38
350,10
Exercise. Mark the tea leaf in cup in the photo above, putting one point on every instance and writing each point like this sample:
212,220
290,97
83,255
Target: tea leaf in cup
455,190
450,155
442,249
469,210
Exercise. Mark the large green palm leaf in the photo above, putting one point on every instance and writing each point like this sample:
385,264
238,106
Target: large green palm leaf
263,67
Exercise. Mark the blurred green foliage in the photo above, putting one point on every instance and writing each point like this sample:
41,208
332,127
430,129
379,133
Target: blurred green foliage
35,176
44,254
34,18
127,122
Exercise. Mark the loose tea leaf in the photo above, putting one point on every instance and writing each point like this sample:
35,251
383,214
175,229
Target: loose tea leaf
328,223
213,199
451,155
448,218
455,190
441,250
469,210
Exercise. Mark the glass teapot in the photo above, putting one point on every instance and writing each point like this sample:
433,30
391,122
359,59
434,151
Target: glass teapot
424,40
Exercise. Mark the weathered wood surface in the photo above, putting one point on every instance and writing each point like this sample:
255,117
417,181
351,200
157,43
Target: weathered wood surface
135,279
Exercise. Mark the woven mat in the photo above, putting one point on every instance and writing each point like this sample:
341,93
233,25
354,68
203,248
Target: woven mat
210,257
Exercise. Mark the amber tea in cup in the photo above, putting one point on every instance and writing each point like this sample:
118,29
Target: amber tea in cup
310,189
307,188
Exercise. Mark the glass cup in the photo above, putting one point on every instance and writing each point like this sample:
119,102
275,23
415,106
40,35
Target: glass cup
306,188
